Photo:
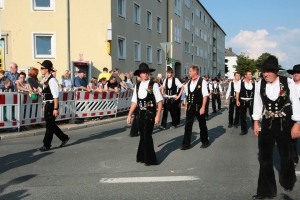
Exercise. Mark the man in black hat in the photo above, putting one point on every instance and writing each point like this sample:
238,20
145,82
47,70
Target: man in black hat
217,90
50,98
280,122
196,91
147,97
296,76
172,89
244,99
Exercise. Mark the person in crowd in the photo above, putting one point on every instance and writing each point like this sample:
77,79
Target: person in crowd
296,76
275,101
116,74
244,99
171,90
22,84
2,72
112,85
134,131
66,81
217,92
103,85
196,91
13,74
183,95
50,97
93,85
104,74
33,80
230,95
8,87
147,97
122,78
80,82
210,91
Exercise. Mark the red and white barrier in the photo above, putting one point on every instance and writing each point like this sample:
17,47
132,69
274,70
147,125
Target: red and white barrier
124,101
66,105
9,105
31,110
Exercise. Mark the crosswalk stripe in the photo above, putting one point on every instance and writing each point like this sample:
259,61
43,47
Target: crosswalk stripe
149,179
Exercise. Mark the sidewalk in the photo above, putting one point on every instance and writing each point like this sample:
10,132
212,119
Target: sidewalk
65,127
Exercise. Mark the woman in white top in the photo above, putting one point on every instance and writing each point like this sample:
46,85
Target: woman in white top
66,81
22,84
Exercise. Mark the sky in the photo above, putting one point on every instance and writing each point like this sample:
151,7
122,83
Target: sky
258,26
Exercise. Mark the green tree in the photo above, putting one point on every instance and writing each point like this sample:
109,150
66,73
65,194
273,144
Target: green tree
245,63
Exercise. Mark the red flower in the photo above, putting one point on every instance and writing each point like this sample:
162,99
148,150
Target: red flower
281,92
149,87
45,83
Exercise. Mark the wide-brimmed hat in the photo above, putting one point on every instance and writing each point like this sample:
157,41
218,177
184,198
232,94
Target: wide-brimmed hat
48,65
296,68
270,63
216,79
143,67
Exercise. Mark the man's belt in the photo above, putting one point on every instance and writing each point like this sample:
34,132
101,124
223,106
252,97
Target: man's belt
48,101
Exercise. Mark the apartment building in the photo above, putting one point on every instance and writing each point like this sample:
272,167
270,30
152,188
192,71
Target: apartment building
120,34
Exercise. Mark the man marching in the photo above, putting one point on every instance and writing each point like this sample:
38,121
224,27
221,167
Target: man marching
50,98
231,91
196,91
147,97
277,99
210,91
217,92
296,75
169,90
244,99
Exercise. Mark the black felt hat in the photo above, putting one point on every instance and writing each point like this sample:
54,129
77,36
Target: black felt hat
143,67
216,79
48,65
296,68
270,63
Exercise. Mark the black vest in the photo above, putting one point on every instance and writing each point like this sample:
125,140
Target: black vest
217,89
148,103
47,95
208,88
279,108
244,93
173,89
232,92
195,97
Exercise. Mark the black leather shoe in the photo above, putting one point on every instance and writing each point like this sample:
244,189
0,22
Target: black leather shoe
229,125
214,112
258,196
147,164
64,143
243,133
287,189
203,146
43,148
183,148
162,128
236,126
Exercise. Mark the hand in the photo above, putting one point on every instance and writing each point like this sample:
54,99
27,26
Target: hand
128,120
157,119
256,128
202,111
226,101
185,109
295,132
238,103
177,97
55,113
164,96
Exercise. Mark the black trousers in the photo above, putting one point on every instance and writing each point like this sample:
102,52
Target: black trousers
243,113
192,112
206,106
134,131
216,97
232,106
51,127
266,142
170,105
295,151
146,153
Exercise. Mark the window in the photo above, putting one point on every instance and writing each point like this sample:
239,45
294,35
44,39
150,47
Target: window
136,13
193,19
200,15
187,47
1,4
43,4
187,3
192,38
177,7
149,54
44,45
121,8
137,51
187,66
187,23
205,19
197,51
158,24
197,31
121,48
159,56
197,11
149,20
177,33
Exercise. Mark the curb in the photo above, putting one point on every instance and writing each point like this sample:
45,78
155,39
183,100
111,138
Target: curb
63,127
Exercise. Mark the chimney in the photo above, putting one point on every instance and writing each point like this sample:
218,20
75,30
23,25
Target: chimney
230,49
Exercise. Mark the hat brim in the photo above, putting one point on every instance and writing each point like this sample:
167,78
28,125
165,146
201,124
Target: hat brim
268,67
291,71
51,70
137,72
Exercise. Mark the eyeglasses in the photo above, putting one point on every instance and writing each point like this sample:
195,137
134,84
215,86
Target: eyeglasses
42,68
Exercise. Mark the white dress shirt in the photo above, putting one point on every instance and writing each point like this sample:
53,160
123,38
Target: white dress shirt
220,87
235,86
272,92
143,92
209,87
53,84
248,86
177,83
193,86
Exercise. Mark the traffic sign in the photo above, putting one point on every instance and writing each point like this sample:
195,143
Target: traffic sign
166,46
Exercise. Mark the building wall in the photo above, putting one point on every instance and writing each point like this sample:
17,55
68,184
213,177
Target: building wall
231,65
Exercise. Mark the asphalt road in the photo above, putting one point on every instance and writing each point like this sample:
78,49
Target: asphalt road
99,163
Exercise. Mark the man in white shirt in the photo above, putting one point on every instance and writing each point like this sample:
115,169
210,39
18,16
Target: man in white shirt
147,97
275,101
217,92
196,91
210,91
230,94
296,76
171,90
244,99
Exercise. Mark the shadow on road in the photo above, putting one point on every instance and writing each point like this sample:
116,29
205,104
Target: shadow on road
19,194
215,133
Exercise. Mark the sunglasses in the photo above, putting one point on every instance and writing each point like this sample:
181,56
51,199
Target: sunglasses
42,68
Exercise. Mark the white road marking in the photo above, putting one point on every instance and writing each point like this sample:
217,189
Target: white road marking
297,173
149,179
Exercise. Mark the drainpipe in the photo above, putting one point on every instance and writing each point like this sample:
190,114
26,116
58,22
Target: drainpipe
68,35
167,20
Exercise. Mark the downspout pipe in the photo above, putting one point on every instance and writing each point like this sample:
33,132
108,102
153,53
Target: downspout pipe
68,35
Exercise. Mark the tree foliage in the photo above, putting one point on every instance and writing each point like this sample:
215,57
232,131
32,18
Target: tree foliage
245,63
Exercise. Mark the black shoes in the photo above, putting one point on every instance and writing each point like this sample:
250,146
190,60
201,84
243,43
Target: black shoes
243,133
130,135
162,128
229,125
183,148
236,126
203,146
64,142
214,112
258,196
287,189
43,148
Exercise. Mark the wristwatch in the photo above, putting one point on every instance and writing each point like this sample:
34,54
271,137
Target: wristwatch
55,108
